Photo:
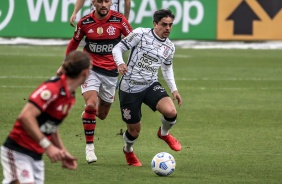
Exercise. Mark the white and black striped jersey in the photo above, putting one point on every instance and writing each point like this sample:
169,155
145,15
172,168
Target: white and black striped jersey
148,54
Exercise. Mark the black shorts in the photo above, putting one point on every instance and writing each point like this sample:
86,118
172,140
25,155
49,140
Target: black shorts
130,103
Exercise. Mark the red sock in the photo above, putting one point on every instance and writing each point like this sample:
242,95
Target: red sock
89,124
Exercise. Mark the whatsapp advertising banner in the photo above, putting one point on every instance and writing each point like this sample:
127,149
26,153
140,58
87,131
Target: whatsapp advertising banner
194,19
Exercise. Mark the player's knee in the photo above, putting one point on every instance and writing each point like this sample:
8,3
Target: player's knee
134,132
170,113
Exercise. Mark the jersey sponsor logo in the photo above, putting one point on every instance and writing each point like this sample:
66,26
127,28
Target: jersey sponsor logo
49,127
132,82
146,61
87,21
49,101
149,59
100,30
101,48
114,19
126,114
45,94
147,67
126,27
111,30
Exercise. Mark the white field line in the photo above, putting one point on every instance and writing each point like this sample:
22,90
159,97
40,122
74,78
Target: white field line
24,77
177,79
53,55
228,89
33,54
182,56
227,79
3,86
57,55
187,88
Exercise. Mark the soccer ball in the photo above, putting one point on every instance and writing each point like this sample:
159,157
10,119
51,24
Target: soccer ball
163,164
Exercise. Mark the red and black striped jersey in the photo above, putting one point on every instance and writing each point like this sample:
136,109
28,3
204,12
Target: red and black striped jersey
54,101
100,37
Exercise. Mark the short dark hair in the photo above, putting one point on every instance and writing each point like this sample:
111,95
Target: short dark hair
75,62
159,14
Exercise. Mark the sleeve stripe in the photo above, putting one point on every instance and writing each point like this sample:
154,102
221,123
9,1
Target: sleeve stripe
125,44
35,105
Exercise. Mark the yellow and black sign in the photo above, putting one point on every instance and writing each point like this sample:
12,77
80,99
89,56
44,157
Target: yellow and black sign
249,20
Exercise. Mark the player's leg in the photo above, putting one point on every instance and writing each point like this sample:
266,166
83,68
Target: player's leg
129,137
106,95
158,99
90,91
103,108
166,107
130,106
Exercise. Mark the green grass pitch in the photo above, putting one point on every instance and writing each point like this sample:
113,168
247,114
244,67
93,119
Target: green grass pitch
229,124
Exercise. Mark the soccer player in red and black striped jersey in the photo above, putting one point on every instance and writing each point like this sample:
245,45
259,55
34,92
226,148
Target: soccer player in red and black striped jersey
102,30
36,129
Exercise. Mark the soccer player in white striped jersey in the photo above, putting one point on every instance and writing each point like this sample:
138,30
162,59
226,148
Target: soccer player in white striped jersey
150,50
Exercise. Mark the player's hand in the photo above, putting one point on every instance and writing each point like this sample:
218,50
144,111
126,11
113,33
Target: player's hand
176,96
122,69
69,162
72,19
55,154
60,71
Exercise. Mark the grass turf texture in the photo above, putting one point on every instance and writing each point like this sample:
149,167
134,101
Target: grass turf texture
229,124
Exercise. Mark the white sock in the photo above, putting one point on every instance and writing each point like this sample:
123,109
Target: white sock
127,144
90,146
166,126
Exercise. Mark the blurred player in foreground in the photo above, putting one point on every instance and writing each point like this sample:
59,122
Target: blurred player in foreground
35,131
150,50
114,6
102,30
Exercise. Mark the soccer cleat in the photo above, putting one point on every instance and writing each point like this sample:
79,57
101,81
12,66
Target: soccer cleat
173,143
90,154
132,159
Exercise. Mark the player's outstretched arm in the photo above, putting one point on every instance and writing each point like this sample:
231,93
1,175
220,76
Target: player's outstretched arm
77,7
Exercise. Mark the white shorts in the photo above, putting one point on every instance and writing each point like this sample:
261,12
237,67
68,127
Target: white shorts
104,85
18,166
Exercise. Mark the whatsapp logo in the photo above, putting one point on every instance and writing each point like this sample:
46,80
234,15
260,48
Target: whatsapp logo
6,12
